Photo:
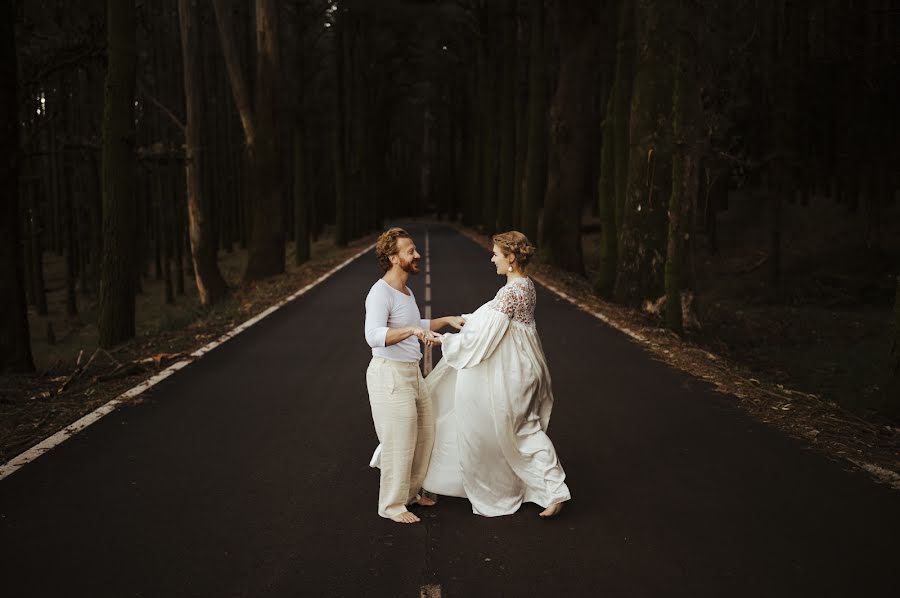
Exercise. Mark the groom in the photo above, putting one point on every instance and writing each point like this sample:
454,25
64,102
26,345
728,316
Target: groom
401,406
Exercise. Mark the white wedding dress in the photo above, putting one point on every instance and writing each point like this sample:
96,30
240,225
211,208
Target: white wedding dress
492,400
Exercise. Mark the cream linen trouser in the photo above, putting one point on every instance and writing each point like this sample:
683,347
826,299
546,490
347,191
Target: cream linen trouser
404,422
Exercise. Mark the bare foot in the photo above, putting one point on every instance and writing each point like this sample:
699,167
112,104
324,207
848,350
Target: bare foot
425,501
405,517
551,511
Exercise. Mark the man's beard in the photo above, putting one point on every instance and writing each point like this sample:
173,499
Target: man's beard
410,267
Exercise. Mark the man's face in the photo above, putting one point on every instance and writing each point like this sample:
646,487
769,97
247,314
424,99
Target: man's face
407,256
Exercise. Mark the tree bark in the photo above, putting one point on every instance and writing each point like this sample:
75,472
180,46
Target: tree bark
606,189
266,248
338,140
301,199
571,127
211,285
614,153
490,105
117,272
507,117
892,396
685,176
535,183
642,239
15,338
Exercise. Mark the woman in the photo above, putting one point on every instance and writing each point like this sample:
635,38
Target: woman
492,400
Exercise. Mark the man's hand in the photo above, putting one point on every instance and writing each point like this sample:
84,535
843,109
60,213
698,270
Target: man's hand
427,337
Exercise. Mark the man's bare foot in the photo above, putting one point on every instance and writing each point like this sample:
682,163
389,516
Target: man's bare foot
405,517
552,510
425,501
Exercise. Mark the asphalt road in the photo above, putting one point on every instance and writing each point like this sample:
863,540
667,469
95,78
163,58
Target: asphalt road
246,474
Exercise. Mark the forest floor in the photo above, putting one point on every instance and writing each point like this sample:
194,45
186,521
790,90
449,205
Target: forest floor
63,388
808,370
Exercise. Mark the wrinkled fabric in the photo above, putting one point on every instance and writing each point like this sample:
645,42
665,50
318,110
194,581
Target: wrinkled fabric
491,395
402,413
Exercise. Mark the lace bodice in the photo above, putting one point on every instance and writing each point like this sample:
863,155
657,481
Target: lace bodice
517,300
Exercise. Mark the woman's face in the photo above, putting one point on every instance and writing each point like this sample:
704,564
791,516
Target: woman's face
501,261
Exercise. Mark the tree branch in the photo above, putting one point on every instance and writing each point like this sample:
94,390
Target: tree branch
158,104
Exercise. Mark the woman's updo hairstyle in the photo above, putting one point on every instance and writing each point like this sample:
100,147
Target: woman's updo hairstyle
517,244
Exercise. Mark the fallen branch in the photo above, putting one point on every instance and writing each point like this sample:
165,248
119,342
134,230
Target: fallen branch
122,371
79,370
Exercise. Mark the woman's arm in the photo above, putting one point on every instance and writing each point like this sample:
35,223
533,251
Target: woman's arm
454,321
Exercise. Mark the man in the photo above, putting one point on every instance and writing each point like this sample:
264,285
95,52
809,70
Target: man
401,406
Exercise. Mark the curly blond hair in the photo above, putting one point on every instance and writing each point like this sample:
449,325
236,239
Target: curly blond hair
515,243
386,246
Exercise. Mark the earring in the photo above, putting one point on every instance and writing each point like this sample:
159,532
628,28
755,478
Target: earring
510,268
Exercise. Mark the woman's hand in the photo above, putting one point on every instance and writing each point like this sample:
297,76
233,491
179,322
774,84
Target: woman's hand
456,321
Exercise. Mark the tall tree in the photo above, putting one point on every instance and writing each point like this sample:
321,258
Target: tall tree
15,340
117,271
571,127
614,153
266,248
490,104
535,176
642,240
507,115
685,157
301,196
892,397
211,285
338,142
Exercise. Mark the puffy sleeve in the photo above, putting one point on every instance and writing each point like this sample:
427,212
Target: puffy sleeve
477,340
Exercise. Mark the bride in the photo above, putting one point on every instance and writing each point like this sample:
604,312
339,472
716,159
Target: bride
492,401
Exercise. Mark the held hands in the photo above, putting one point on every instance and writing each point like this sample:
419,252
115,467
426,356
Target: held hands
429,338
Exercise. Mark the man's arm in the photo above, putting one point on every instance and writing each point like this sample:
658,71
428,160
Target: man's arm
377,332
395,335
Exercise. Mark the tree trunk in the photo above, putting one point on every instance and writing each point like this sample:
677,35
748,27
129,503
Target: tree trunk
35,240
624,80
117,273
507,117
571,126
15,338
606,186
685,128
614,154
490,122
338,141
211,286
642,239
606,189
266,247
301,199
892,394
535,183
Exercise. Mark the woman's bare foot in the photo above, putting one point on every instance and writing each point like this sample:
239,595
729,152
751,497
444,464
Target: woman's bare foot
552,511
405,517
425,501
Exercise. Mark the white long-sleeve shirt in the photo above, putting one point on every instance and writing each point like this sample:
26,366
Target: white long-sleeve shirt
386,307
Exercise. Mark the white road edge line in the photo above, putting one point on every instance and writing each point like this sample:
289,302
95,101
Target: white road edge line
58,438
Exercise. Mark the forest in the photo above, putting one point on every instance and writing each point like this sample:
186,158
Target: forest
726,171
